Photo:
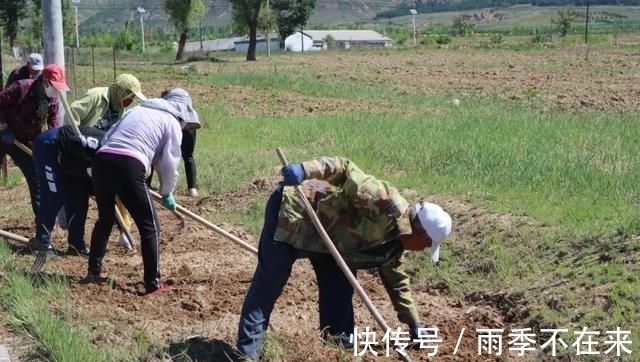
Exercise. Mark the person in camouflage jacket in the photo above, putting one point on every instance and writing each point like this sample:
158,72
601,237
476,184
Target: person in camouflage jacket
370,224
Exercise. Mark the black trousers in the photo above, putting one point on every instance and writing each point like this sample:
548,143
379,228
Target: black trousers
187,147
76,205
124,176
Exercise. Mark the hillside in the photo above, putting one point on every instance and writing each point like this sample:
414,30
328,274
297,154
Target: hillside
114,13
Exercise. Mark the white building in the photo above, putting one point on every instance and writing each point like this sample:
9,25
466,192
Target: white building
340,39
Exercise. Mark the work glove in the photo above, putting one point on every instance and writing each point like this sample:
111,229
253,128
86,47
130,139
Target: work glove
414,330
292,174
7,136
169,202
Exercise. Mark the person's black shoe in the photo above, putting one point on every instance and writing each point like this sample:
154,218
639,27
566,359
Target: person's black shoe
78,250
95,278
37,245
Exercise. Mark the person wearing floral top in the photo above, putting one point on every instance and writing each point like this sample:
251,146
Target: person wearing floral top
27,107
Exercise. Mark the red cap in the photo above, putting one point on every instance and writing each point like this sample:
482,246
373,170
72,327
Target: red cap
55,74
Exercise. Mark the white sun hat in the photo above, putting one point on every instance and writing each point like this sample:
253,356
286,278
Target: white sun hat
436,222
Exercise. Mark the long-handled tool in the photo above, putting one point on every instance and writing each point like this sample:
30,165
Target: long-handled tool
40,260
127,233
206,223
41,257
339,260
12,236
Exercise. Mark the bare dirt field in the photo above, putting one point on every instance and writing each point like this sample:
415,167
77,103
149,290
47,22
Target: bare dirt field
197,321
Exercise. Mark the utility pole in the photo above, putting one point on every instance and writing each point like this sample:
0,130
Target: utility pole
413,13
75,9
586,25
52,37
52,32
201,46
142,11
268,31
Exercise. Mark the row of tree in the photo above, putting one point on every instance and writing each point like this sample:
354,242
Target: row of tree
249,16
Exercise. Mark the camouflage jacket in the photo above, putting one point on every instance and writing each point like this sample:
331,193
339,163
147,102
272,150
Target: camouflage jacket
362,215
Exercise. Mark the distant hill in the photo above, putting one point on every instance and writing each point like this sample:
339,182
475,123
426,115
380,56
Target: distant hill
114,13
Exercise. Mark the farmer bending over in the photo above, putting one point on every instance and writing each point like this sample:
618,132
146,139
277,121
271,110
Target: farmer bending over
370,224
100,107
26,108
60,156
148,135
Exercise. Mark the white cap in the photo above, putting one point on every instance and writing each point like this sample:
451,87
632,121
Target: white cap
36,61
436,222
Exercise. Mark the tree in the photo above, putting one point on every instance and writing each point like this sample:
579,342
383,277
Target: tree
266,21
461,26
291,14
563,20
301,11
184,14
247,12
34,27
11,12
282,12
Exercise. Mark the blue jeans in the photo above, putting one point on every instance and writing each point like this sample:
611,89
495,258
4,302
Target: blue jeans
275,260
45,161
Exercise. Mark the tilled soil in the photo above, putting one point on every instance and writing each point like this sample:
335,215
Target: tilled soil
210,275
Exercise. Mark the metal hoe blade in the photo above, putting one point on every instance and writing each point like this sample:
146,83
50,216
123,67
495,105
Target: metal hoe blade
38,263
41,259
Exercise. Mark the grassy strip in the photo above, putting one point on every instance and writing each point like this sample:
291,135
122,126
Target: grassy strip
29,303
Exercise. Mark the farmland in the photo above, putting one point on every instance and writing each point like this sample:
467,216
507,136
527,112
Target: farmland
536,163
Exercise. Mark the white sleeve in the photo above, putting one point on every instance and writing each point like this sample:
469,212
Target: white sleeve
169,160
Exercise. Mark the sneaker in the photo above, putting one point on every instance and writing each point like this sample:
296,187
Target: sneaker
163,287
78,250
193,192
95,278
37,245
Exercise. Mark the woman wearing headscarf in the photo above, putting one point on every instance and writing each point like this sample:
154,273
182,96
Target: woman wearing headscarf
99,107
